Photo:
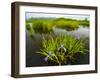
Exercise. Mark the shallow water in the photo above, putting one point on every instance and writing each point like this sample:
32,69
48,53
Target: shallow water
33,45
82,31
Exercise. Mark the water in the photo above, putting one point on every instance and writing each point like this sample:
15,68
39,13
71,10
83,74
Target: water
82,31
34,45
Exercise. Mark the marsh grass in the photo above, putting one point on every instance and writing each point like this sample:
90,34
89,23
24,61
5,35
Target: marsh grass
43,26
84,22
46,25
68,25
71,45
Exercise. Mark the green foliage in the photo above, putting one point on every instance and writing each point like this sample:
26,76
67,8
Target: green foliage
29,29
84,22
27,26
42,25
72,45
67,24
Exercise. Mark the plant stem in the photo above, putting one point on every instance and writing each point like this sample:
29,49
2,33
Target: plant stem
59,64
57,60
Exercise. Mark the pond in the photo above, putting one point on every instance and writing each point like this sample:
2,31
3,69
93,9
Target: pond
82,31
33,45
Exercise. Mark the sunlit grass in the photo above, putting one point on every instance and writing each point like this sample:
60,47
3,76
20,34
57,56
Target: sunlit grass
68,25
62,49
43,26
46,25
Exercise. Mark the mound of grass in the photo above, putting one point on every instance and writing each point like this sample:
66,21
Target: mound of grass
68,25
43,26
84,22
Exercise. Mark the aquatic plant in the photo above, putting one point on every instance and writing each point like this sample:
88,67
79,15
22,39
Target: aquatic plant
62,49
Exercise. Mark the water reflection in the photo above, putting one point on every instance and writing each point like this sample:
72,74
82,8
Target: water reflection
33,45
82,31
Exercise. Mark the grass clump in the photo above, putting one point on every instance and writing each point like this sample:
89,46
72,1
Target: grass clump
30,29
43,26
84,22
68,25
62,49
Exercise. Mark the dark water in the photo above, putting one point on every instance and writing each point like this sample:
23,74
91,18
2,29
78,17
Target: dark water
33,45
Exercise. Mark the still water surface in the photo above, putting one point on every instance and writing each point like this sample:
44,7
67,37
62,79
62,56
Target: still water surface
33,45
